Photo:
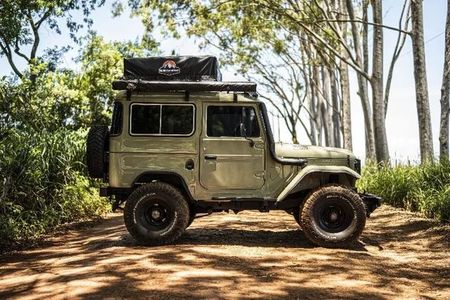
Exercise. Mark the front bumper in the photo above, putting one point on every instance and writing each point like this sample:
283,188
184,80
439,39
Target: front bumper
371,202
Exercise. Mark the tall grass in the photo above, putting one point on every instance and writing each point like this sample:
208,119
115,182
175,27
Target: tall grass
42,184
423,188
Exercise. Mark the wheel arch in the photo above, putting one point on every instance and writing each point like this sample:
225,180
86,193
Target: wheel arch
312,177
168,177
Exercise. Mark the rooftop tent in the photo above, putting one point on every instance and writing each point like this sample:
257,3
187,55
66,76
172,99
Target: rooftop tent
177,73
173,68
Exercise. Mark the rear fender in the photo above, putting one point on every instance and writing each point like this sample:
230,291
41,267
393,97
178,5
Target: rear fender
296,184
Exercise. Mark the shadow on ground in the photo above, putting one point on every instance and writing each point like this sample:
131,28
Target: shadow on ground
250,255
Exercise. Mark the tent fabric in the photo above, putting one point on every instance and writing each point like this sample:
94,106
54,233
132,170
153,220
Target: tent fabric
173,68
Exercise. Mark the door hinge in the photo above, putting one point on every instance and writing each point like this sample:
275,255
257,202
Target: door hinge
259,145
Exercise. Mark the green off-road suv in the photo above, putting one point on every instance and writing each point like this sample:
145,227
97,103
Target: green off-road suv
183,144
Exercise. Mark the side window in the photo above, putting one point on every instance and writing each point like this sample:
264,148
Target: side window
145,119
232,121
160,119
177,119
116,123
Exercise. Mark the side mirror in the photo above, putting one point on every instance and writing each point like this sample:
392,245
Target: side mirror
243,133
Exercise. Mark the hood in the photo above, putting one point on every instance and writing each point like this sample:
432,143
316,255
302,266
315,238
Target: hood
301,151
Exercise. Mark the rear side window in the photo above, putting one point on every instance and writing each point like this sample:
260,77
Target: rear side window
161,119
177,119
232,121
145,119
116,123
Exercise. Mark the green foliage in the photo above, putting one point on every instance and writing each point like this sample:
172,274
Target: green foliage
65,98
42,184
53,100
424,188
101,63
43,121
22,20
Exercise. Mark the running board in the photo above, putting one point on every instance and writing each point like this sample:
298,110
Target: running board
238,203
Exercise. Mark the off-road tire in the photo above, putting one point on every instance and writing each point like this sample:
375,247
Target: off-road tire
96,147
349,205
139,222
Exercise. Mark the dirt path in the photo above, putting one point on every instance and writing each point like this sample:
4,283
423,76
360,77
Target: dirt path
250,255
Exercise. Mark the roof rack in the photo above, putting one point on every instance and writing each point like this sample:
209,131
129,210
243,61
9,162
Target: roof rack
187,86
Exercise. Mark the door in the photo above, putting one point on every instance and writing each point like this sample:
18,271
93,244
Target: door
231,148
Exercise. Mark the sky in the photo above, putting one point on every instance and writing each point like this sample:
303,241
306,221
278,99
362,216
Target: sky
401,120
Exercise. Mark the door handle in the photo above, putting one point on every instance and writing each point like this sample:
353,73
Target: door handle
210,157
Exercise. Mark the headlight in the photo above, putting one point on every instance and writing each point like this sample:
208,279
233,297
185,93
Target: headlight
358,165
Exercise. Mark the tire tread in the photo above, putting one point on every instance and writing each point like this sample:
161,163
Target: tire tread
306,222
182,213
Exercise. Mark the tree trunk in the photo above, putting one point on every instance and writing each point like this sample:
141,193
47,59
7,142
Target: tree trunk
365,45
325,108
362,83
445,91
376,82
319,98
335,109
312,109
420,76
345,88
346,110
365,36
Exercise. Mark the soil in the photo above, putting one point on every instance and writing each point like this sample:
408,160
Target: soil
227,256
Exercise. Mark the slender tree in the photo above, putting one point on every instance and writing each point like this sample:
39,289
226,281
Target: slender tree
420,76
376,81
361,58
345,89
445,91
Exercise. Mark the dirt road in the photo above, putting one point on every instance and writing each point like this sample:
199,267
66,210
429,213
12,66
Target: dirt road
249,255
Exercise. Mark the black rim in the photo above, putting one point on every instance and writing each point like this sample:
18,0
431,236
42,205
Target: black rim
155,214
333,214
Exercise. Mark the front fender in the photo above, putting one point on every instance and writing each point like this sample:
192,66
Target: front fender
315,169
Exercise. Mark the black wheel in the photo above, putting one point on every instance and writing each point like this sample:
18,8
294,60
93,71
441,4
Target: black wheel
156,214
96,147
332,216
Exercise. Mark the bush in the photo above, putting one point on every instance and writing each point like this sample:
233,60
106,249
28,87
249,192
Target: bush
43,184
424,188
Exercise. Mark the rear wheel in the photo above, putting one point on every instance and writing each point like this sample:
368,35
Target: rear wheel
156,214
332,216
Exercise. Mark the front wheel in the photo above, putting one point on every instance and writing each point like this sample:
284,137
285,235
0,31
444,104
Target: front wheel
333,216
156,213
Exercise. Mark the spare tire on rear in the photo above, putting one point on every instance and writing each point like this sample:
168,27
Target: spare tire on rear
96,147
